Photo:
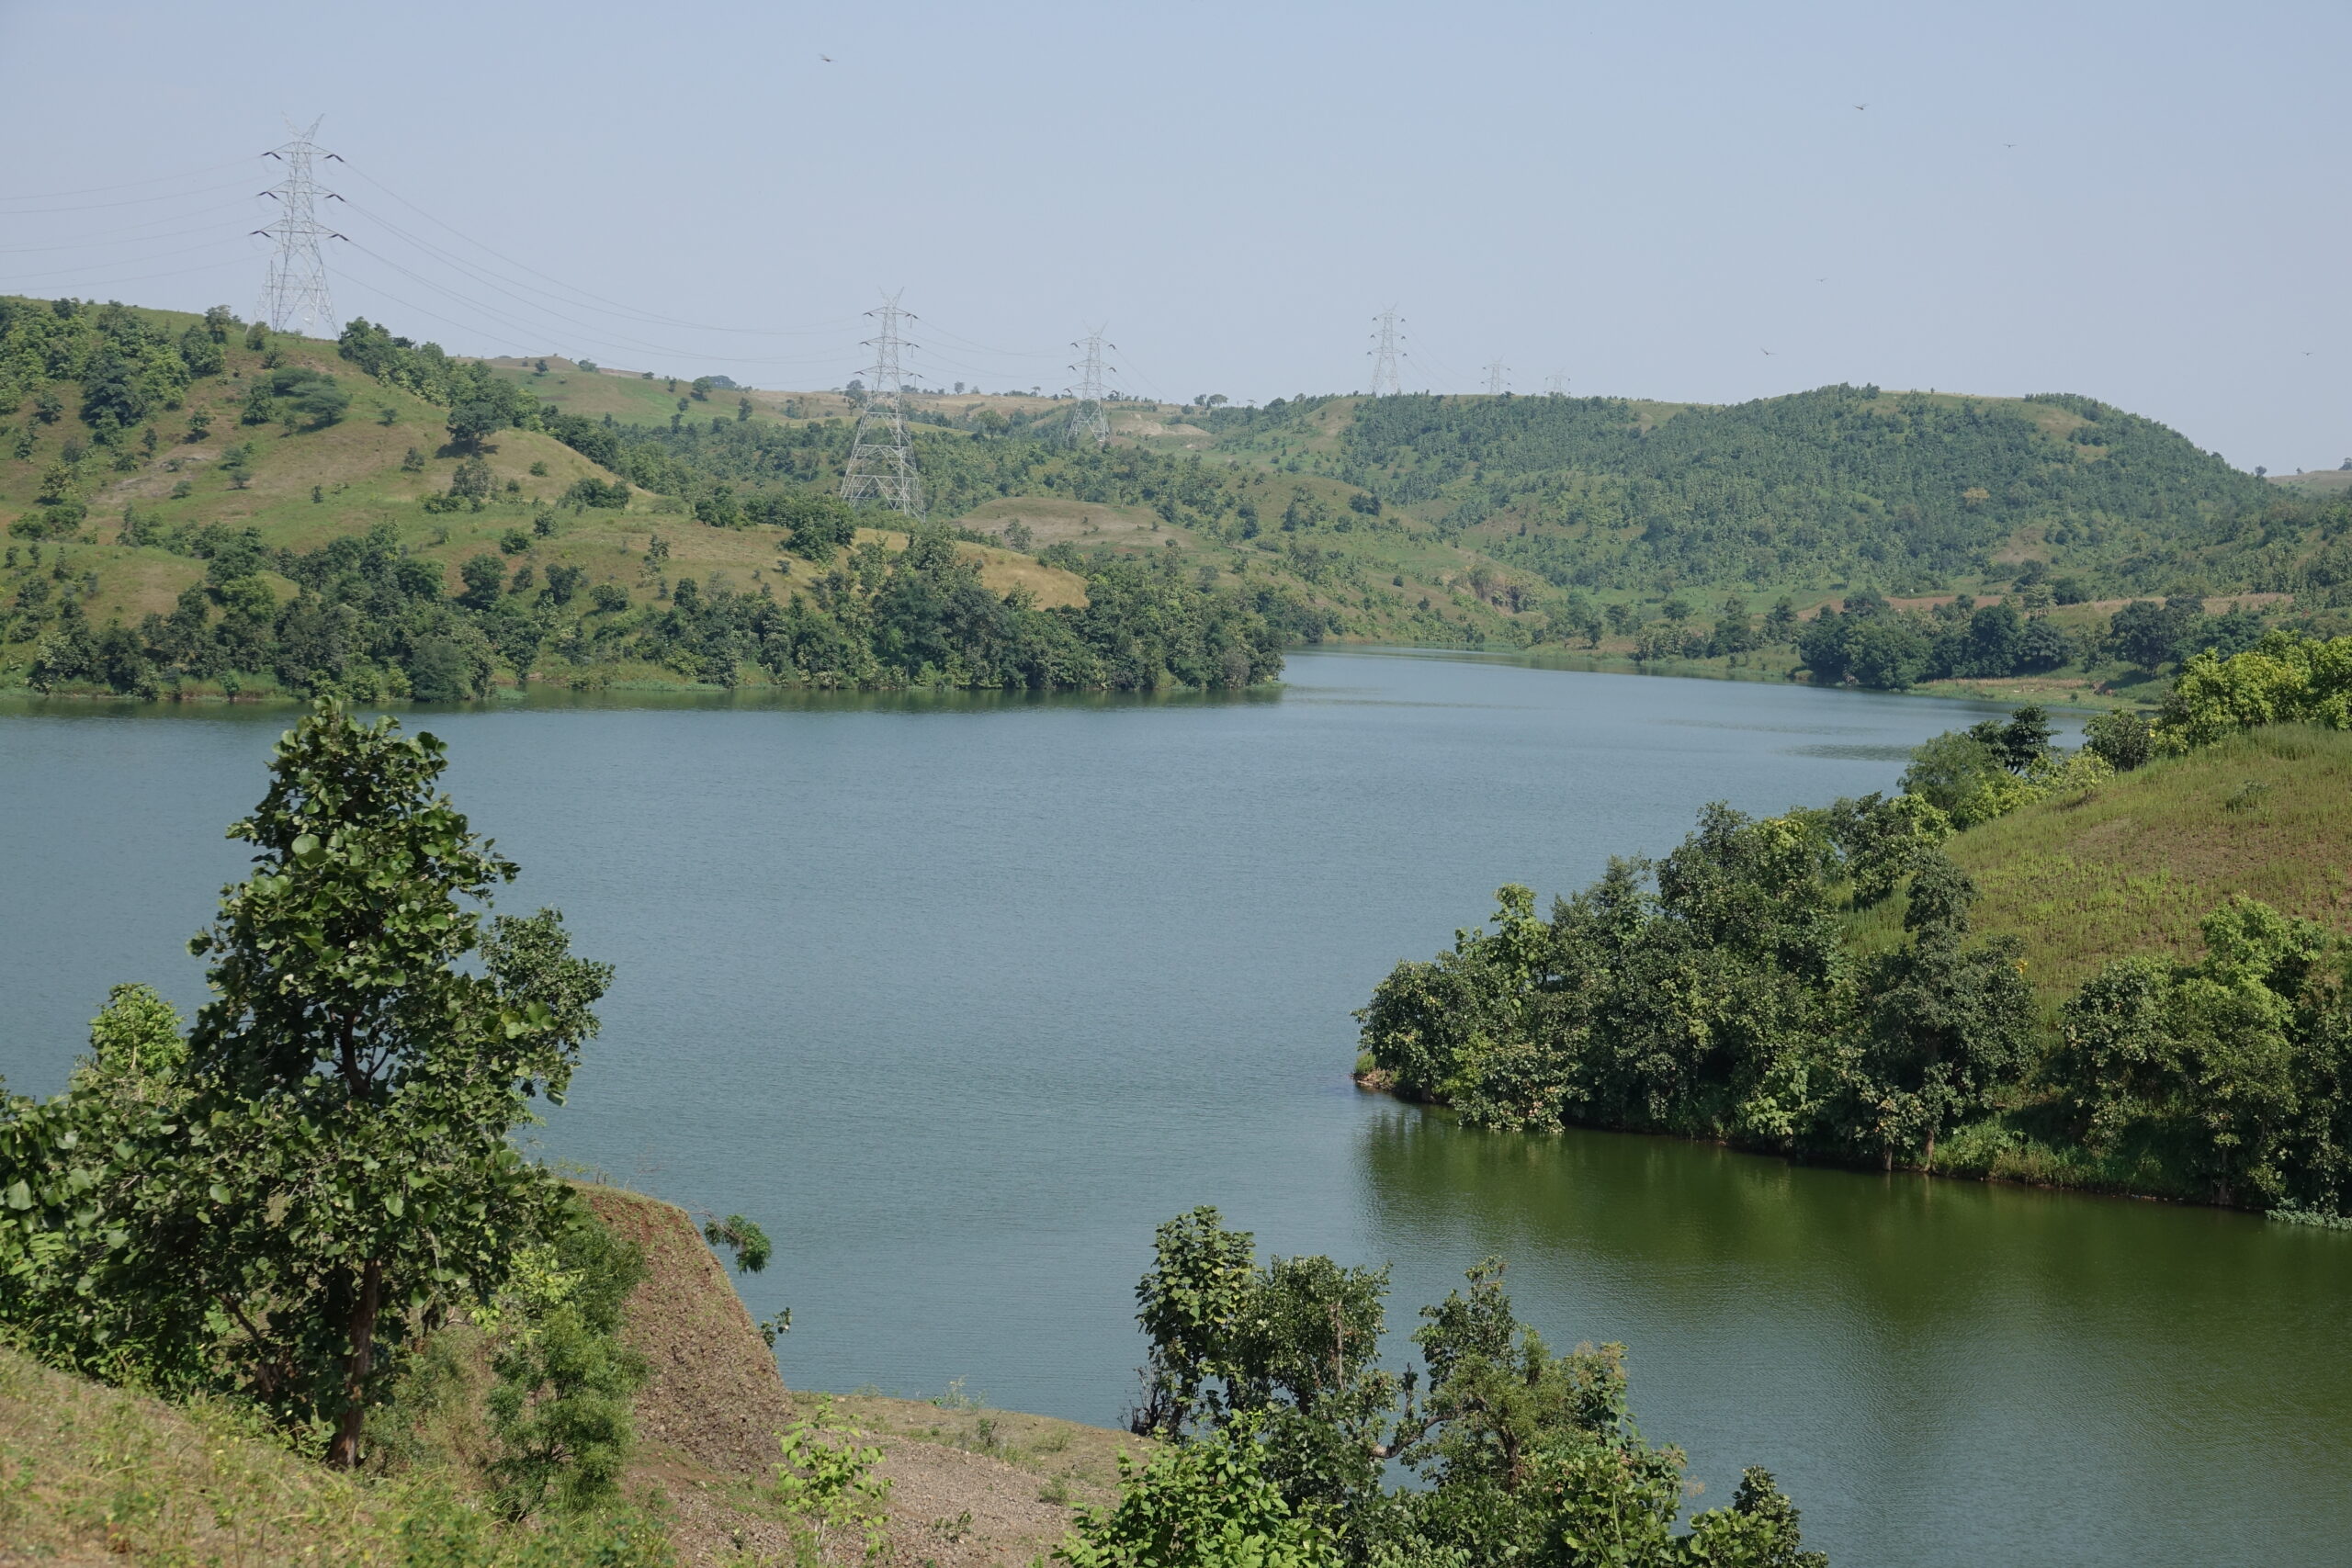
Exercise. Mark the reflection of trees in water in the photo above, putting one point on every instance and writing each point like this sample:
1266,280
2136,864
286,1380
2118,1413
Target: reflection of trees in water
1921,1360
1662,1217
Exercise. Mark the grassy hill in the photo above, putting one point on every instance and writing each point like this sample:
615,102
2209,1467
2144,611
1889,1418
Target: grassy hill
2133,867
1628,531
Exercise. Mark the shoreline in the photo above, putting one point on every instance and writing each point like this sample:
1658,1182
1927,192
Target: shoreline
2013,692
1376,1080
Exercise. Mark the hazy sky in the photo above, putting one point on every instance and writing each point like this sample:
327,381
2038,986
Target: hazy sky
2145,202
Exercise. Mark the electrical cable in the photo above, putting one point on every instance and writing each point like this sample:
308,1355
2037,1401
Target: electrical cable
102,244
142,277
107,236
591,337
127,184
587,331
613,304
133,201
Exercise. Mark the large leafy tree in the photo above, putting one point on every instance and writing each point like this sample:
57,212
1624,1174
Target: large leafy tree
339,1174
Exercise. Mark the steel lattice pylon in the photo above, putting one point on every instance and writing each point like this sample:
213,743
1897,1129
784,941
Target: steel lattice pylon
1087,420
1384,380
294,297
1498,378
882,457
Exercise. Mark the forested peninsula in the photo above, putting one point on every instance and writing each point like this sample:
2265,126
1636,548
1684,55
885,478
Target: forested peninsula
1943,979
198,507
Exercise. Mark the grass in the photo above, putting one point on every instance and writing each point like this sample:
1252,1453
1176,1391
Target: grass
2133,867
91,1475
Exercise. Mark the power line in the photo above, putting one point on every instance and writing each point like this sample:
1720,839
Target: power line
614,306
127,184
882,456
1385,381
128,202
295,296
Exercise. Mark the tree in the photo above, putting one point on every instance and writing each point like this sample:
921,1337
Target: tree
336,1176
2146,633
486,580
480,407
1948,1025
560,1411
2122,740
2020,741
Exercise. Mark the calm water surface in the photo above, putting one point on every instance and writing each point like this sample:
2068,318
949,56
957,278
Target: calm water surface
962,998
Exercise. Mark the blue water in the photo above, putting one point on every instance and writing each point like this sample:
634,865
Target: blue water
960,999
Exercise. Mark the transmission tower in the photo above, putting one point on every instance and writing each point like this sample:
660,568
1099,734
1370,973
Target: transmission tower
1556,386
882,459
1087,419
1498,376
1384,382
294,298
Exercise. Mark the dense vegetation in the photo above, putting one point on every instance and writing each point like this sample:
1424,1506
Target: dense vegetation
1265,1380
1843,482
370,620
1723,992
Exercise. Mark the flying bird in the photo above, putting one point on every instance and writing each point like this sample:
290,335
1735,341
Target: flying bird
826,58
1861,106
1764,351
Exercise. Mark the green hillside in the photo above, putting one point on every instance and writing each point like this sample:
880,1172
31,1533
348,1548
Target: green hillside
194,507
645,527
1913,493
2132,864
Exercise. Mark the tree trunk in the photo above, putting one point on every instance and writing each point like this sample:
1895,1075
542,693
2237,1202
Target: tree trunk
1931,1150
345,1454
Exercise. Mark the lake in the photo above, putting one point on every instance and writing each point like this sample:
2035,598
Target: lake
960,998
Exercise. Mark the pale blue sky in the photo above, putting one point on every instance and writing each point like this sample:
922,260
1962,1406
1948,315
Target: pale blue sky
1643,199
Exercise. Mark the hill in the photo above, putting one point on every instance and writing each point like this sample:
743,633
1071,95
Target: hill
2131,865
645,528
1913,491
195,507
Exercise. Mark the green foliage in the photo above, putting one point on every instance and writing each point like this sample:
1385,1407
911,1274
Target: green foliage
1202,1505
299,399
751,1245
2283,680
1841,482
1278,1422
480,404
328,1174
1993,768
827,1480
2238,1067
2122,740
559,1410
1724,1004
